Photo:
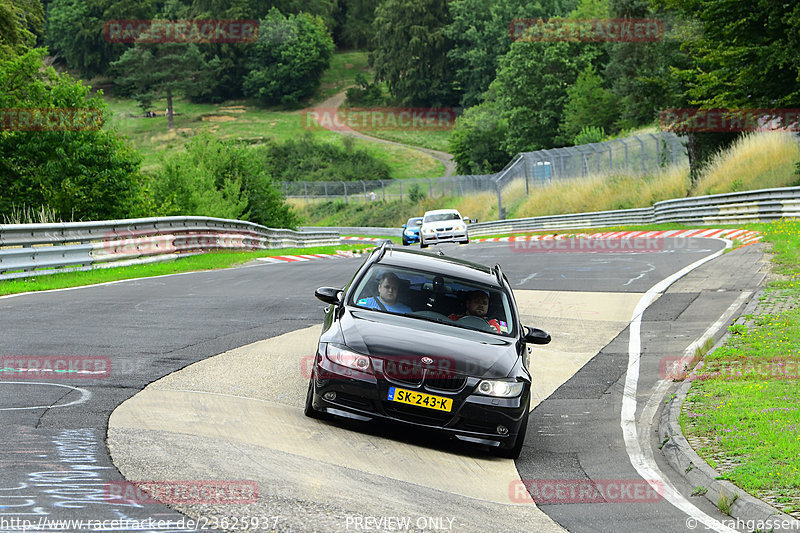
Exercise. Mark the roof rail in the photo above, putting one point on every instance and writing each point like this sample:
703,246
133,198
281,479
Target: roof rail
498,272
384,246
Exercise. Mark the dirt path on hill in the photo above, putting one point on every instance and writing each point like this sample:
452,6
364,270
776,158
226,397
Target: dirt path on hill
337,100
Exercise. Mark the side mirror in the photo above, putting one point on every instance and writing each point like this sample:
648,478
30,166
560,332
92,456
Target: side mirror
467,220
329,295
536,336
404,226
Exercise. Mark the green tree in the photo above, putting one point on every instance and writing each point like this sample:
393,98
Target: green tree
220,179
588,104
480,35
149,72
638,73
287,61
743,55
234,57
477,140
87,174
75,30
531,90
353,27
410,52
20,24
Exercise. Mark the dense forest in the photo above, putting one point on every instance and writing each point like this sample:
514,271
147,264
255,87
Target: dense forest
513,93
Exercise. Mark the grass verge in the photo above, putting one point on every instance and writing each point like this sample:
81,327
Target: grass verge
194,263
743,406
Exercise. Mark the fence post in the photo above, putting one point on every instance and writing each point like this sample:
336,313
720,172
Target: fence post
365,189
500,214
401,189
345,191
326,190
627,164
641,144
305,186
383,191
430,188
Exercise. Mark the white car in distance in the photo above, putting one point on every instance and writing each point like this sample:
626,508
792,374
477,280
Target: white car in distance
443,225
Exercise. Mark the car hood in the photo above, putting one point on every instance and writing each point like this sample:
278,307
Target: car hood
407,340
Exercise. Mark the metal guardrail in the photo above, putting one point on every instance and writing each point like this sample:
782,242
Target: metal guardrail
765,205
26,249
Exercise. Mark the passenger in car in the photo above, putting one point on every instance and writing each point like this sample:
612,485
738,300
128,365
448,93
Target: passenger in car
477,304
388,292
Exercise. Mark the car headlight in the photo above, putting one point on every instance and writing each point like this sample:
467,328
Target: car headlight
344,357
502,389
428,231
460,228
410,232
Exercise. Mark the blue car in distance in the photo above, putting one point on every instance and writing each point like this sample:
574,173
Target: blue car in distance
411,230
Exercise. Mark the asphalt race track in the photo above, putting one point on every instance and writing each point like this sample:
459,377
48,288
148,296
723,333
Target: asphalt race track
207,373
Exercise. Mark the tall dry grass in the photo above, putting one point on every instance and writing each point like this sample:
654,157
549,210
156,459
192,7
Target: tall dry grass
606,192
755,161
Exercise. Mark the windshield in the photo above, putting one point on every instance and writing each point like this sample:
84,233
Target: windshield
414,222
442,216
433,297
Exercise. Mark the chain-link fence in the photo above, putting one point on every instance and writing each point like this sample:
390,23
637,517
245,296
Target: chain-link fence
367,190
638,154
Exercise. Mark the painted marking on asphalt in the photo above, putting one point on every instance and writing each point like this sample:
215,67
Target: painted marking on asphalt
645,467
85,395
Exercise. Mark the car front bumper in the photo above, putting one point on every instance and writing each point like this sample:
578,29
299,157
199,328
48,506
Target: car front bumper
474,418
446,236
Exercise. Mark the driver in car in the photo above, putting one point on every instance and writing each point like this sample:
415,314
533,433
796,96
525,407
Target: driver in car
388,290
477,304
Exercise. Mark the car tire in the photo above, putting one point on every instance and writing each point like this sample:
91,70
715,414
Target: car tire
405,242
422,243
515,450
308,409
465,241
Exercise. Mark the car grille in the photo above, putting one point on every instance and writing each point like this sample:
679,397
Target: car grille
404,375
448,383
432,380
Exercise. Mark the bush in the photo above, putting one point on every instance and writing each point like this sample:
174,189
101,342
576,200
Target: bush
79,175
590,134
477,139
366,94
219,179
307,159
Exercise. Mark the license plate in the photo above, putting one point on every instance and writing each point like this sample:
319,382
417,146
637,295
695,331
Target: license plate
420,399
